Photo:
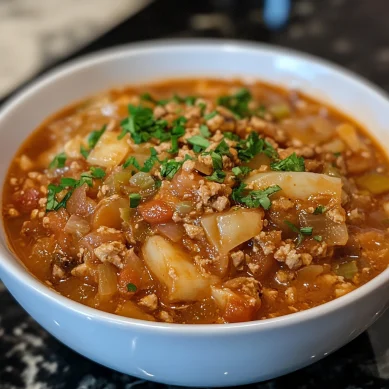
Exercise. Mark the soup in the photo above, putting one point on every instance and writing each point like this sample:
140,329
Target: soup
199,201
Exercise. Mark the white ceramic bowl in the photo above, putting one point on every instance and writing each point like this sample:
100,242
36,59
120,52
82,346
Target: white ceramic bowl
194,355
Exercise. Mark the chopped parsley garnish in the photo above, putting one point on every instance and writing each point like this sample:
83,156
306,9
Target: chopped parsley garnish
84,152
199,143
131,161
253,145
241,171
177,131
223,148
306,230
97,172
237,103
134,199
202,106
231,136
318,238
303,231
131,287
158,183
319,210
149,163
188,100
255,198
71,183
142,126
261,111
210,115
217,176
170,168
204,131
52,202
217,160
337,154
147,97
94,137
58,161
293,163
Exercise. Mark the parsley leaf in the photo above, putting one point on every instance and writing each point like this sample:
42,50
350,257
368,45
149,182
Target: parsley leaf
237,103
134,199
52,202
58,161
147,97
97,172
231,136
94,137
210,115
202,108
142,126
257,198
237,193
293,163
319,210
170,168
131,161
149,163
241,171
217,160
318,238
199,141
68,182
131,287
223,148
253,145
84,152
303,231
217,176
204,131
306,230
158,183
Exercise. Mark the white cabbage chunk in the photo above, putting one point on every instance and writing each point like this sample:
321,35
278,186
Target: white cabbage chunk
109,150
299,185
174,269
230,229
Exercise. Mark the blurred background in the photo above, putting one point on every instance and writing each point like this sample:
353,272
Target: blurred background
36,35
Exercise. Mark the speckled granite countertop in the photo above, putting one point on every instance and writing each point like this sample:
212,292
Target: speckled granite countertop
353,33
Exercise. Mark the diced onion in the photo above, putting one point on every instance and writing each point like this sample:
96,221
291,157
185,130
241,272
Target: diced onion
374,182
109,150
348,134
142,180
347,270
174,269
298,185
173,231
334,234
334,146
309,273
130,309
77,226
230,229
280,111
107,280
184,208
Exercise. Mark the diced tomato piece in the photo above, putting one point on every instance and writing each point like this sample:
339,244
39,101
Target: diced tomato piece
156,211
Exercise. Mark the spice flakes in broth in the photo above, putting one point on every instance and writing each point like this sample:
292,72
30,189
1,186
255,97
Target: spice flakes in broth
199,201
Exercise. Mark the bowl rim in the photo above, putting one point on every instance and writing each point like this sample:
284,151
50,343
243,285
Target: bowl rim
13,266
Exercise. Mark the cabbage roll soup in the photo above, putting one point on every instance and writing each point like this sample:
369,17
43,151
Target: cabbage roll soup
199,201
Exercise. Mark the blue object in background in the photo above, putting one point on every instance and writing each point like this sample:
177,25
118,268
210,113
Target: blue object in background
276,13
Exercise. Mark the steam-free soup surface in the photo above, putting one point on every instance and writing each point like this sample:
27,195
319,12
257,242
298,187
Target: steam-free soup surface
199,201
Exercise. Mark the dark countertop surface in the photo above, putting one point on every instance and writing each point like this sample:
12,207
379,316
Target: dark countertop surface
353,33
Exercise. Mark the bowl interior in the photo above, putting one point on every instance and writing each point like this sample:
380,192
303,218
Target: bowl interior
143,63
